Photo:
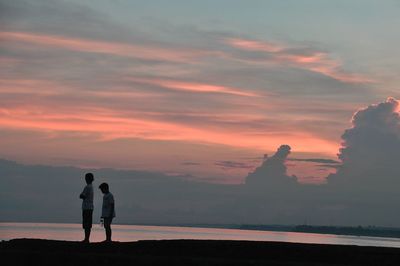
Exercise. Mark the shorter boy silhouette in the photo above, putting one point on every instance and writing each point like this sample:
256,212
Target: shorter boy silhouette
108,209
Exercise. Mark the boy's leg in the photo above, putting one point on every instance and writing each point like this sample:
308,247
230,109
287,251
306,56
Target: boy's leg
87,223
87,234
107,227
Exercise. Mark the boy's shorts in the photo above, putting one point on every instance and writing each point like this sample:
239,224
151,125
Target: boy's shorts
87,219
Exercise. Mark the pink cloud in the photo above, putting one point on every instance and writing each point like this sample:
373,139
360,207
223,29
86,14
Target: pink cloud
192,86
30,86
316,61
113,48
252,45
112,124
6,60
232,128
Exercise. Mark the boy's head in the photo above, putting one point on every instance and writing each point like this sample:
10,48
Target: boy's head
89,178
104,188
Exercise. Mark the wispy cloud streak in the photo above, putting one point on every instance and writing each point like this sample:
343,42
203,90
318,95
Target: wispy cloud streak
306,58
192,86
93,46
302,57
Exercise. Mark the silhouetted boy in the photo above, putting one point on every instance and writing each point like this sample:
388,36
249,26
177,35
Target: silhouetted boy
87,206
108,209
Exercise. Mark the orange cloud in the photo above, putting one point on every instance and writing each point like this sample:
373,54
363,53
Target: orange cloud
112,48
45,115
50,88
113,125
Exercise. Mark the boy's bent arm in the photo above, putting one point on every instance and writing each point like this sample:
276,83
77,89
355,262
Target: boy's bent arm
83,194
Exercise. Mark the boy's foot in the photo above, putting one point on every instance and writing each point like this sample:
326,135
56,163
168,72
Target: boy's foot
85,241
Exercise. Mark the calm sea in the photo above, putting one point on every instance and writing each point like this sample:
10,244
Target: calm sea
126,233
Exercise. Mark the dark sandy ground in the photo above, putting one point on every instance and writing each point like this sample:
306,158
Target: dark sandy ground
191,252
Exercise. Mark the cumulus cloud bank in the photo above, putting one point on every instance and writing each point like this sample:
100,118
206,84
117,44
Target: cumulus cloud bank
371,148
272,172
363,191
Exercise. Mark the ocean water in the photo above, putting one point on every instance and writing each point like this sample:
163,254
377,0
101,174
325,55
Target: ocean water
125,233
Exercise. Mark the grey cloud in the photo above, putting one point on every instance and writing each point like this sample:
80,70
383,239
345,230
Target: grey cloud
315,160
233,165
335,166
142,197
188,163
371,148
272,172
75,161
288,81
61,17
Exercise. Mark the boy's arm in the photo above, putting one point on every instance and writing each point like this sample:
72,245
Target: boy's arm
111,210
112,206
83,194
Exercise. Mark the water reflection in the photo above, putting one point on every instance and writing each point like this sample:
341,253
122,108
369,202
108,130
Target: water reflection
125,233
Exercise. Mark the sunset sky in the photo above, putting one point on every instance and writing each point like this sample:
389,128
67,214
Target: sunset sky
199,89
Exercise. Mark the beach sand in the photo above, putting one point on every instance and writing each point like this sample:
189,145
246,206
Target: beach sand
191,252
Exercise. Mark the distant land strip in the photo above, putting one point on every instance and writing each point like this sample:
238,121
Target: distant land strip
374,231
334,230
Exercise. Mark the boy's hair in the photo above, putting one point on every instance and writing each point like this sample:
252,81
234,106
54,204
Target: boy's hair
89,177
104,186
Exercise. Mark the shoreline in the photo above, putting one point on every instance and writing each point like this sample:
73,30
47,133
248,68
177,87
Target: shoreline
356,231
192,252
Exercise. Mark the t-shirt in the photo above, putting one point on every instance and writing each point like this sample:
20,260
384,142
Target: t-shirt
108,201
87,203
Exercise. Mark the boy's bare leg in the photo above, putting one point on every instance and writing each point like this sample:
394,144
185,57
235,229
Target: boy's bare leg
107,227
108,234
87,235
